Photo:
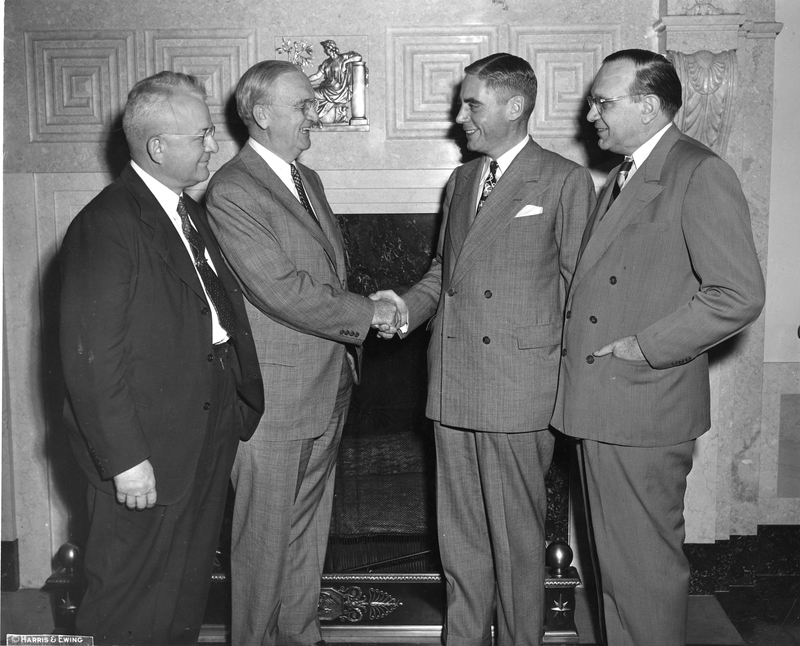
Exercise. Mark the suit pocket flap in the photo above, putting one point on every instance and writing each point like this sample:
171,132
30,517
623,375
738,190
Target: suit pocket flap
538,336
282,354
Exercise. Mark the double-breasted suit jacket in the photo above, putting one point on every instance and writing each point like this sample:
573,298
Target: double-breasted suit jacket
673,263
497,287
293,273
136,340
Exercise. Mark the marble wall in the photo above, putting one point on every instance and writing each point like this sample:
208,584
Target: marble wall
69,65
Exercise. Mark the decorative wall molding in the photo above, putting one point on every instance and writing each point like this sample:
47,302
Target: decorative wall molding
565,59
423,69
77,82
709,89
218,57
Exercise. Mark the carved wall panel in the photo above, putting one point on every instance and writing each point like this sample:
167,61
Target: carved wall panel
218,57
709,88
422,71
565,60
77,82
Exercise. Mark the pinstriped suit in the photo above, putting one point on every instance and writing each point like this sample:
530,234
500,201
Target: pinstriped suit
292,272
497,288
672,262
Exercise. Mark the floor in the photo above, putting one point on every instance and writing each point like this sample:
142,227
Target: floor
767,614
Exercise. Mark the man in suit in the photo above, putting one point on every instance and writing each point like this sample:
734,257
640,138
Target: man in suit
667,270
161,373
283,242
497,286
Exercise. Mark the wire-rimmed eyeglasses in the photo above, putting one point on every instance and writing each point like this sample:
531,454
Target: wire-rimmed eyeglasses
594,102
207,135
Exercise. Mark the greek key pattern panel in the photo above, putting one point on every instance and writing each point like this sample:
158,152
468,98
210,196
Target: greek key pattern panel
77,82
565,60
423,71
218,57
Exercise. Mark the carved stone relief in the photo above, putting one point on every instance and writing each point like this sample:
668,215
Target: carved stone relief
709,88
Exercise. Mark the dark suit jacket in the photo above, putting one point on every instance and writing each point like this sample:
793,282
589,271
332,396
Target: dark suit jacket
498,288
673,263
136,340
293,274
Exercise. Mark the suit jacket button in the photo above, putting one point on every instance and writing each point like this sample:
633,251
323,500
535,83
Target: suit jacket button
207,405
593,319
487,293
590,359
487,340
204,311
358,334
568,314
210,358
613,280
563,352
451,291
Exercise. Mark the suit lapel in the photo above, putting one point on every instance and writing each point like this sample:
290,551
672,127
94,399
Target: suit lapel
642,189
263,174
166,241
518,185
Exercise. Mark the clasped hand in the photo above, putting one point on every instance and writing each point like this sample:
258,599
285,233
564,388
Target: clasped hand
391,313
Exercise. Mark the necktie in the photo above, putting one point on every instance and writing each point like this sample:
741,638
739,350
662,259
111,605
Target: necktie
622,176
488,185
301,192
214,287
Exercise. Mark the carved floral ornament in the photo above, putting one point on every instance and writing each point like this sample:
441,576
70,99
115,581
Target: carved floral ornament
709,87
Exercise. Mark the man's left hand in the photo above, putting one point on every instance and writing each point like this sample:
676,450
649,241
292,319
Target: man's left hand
626,348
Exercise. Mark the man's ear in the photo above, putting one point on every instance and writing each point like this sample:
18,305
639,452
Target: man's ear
155,149
515,107
651,108
261,116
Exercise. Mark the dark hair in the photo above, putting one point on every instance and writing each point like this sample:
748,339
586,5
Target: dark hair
255,83
150,97
507,75
654,74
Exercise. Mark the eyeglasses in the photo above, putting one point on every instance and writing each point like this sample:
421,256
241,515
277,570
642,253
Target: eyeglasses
594,102
207,135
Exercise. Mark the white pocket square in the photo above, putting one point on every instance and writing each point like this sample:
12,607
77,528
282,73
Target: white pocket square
529,209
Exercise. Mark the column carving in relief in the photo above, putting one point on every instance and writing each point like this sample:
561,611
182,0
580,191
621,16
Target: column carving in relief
709,89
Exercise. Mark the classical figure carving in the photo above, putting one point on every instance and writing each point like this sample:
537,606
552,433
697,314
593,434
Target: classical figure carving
709,85
340,79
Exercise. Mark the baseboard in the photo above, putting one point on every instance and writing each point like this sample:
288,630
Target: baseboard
9,565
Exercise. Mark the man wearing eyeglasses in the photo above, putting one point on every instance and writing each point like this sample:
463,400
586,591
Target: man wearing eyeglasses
161,374
282,240
667,269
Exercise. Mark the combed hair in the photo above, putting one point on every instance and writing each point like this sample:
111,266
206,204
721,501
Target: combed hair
654,74
508,76
150,98
253,87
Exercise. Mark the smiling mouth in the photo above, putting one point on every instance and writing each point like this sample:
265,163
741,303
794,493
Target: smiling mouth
470,131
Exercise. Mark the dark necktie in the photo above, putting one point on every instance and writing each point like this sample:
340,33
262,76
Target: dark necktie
214,287
301,192
622,176
488,185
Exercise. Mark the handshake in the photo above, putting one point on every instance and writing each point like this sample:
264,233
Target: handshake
391,313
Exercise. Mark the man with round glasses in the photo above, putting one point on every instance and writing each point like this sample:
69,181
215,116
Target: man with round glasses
667,269
161,373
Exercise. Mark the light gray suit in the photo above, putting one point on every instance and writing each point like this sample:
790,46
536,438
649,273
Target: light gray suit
673,263
292,272
497,287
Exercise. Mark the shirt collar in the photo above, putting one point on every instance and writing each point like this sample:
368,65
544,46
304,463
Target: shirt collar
166,197
504,160
643,152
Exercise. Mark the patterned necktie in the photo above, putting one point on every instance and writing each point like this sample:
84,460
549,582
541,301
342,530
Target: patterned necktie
488,185
214,287
301,192
622,177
